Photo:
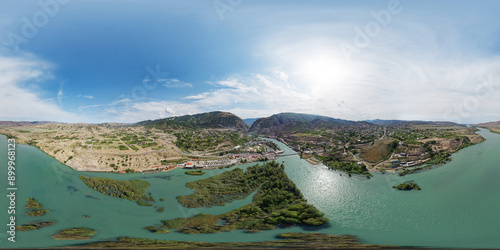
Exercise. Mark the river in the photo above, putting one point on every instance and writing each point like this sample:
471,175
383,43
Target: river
457,206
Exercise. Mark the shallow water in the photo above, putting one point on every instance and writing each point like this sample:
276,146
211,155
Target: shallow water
457,206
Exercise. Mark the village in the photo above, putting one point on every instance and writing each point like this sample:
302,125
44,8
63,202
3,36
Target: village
254,151
384,148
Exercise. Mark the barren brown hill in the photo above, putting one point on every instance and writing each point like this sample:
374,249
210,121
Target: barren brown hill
492,126
378,151
489,124
22,123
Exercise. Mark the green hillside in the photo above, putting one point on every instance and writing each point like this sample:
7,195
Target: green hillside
216,119
295,122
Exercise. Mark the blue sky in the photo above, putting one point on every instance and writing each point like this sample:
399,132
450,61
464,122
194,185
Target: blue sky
127,61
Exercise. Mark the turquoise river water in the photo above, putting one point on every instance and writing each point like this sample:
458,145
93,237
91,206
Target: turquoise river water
458,205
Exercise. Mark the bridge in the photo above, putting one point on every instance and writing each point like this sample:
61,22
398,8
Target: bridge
280,155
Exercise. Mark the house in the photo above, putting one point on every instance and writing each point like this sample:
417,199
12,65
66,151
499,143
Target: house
189,165
395,163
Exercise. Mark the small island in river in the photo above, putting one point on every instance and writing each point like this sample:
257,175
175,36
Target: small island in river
278,202
34,225
77,233
195,172
409,185
133,190
35,208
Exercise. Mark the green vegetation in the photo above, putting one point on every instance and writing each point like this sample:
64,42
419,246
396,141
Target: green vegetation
278,202
35,207
9,136
412,170
288,241
157,230
32,142
77,233
33,204
465,142
494,130
195,172
216,119
209,140
222,188
34,225
162,231
133,190
405,186
349,167
437,158
38,212
23,131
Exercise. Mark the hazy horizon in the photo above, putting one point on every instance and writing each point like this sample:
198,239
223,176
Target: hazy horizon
133,122
124,62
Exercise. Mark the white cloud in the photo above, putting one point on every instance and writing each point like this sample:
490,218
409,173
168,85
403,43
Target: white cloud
20,96
168,82
60,94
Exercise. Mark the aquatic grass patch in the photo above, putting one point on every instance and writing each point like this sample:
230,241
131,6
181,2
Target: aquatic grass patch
35,208
287,241
33,204
157,230
278,202
219,189
76,233
134,190
34,225
38,212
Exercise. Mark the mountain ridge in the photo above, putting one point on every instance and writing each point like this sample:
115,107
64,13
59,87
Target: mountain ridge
297,122
214,119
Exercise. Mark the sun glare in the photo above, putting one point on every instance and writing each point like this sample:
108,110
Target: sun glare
324,71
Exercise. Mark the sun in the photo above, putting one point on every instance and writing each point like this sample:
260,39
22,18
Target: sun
324,70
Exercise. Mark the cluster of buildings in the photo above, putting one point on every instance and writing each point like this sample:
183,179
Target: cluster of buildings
397,163
233,159
195,163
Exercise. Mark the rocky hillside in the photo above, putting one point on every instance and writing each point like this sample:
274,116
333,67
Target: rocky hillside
489,124
492,126
216,119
